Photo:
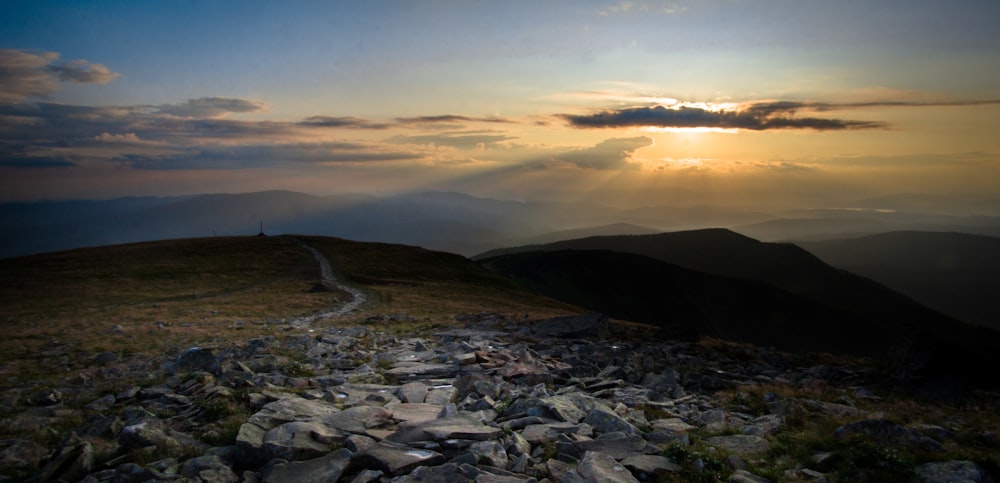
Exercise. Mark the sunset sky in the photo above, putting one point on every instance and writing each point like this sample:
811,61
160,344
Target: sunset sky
782,103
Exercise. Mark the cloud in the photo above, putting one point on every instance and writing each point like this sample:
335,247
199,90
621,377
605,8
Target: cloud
84,72
209,107
625,7
36,162
449,119
264,155
684,116
348,122
27,74
458,139
614,153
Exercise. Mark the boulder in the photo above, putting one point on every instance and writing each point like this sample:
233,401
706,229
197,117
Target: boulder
299,440
395,459
489,453
568,327
197,359
598,467
885,432
208,469
650,467
957,470
604,421
326,468
73,460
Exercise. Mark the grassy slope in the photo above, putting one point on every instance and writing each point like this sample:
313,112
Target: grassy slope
211,291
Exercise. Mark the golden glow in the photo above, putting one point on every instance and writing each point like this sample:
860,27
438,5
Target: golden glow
690,130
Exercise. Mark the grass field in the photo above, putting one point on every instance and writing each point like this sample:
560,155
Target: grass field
58,309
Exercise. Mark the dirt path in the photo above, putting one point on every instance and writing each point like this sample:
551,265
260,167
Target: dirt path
329,281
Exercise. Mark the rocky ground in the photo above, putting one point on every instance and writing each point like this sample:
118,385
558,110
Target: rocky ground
489,398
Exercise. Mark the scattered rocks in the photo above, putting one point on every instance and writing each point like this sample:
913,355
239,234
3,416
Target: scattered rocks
500,400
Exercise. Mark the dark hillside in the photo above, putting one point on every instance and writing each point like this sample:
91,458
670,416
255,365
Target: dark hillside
687,302
955,273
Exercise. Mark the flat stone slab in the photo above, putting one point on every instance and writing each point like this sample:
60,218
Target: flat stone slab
326,468
740,444
419,370
415,413
395,459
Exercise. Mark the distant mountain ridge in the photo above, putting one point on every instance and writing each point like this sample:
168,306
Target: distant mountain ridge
874,320
955,273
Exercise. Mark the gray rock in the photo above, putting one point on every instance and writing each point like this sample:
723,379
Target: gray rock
209,469
412,392
741,444
21,455
359,419
459,426
618,448
490,453
650,467
599,467
357,443
47,397
544,433
957,471
250,439
744,476
73,460
604,421
367,476
326,468
885,432
101,404
299,440
569,326
415,413
395,459
149,432
447,473
198,360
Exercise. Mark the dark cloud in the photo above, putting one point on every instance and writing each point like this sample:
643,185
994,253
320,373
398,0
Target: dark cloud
459,139
84,72
261,156
210,107
26,74
348,122
791,107
614,153
449,119
36,162
756,120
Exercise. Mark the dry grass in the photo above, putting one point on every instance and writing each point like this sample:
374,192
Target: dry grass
57,310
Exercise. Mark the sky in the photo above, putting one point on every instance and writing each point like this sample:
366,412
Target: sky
764,103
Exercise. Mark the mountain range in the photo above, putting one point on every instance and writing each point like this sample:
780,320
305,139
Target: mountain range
448,221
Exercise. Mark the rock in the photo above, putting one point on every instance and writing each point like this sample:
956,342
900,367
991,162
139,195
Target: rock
299,440
149,432
740,444
744,476
73,460
47,397
395,459
447,473
957,471
358,420
208,469
20,455
885,432
564,408
489,453
568,327
543,433
326,468
250,438
604,421
197,360
131,472
600,468
415,413
105,358
102,404
412,392
763,426
460,426
650,467
619,448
